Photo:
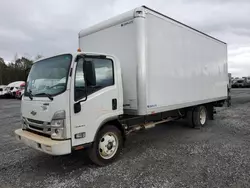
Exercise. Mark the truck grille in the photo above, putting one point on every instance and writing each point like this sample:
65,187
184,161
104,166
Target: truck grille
35,121
38,126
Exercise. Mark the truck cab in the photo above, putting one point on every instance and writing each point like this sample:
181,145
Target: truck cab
67,100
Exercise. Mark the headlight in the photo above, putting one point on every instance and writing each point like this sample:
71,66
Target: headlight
58,125
57,133
59,115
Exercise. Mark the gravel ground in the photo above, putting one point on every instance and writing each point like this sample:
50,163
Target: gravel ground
170,155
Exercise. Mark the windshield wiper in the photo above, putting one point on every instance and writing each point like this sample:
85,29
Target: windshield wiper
30,94
46,94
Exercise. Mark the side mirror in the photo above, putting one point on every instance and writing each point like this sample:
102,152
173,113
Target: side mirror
77,107
89,73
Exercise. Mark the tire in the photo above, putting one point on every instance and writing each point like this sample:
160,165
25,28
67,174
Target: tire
101,151
200,116
189,118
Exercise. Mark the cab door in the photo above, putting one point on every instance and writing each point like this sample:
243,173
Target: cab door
92,105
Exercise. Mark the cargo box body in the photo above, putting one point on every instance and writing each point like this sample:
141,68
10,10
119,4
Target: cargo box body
165,65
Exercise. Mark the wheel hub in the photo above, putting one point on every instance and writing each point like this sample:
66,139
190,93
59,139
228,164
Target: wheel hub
203,116
108,145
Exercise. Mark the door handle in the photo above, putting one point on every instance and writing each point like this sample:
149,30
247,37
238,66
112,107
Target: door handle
114,104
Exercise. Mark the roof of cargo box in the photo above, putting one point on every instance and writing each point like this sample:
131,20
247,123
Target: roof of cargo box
183,24
130,15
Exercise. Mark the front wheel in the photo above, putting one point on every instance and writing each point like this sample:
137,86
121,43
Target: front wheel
107,146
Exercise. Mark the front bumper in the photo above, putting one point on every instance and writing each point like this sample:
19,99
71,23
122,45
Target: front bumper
44,144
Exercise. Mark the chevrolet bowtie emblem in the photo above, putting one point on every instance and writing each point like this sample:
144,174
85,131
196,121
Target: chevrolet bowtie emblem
33,113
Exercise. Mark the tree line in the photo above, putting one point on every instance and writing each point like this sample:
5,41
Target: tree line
16,70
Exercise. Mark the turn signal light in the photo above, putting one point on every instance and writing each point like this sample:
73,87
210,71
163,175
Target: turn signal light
80,135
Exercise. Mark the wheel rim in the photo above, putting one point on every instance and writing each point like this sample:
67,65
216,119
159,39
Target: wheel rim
108,145
203,116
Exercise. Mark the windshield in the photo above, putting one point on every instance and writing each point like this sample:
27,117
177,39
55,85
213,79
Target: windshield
49,76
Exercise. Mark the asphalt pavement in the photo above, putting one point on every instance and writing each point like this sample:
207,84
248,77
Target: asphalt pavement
169,155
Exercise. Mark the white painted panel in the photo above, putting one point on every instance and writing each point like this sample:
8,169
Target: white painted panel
183,66
46,112
120,41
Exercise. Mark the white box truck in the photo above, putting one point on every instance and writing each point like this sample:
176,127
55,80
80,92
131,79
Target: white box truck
134,71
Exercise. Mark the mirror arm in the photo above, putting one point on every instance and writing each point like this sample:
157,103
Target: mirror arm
86,96
77,105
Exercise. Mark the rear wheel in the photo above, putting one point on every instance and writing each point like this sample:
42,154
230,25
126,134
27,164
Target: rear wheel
107,146
200,116
197,117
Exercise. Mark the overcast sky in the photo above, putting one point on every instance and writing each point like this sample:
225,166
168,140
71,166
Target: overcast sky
48,27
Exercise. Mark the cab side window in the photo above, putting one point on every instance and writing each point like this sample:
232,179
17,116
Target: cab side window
104,73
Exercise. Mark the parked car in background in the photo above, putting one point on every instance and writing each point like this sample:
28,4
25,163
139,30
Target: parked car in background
2,90
247,81
20,91
12,88
240,83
